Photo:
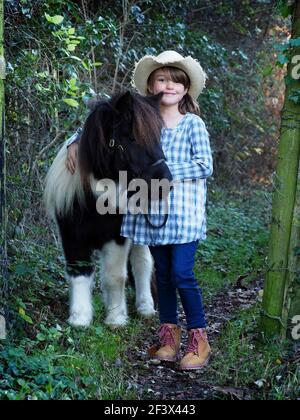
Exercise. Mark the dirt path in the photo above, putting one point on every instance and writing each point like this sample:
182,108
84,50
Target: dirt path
165,381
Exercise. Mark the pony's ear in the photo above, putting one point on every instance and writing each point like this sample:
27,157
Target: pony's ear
154,100
123,102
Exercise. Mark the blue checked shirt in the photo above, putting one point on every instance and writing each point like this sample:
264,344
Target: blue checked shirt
189,158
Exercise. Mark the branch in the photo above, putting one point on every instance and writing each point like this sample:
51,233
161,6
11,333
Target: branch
46,148
122,35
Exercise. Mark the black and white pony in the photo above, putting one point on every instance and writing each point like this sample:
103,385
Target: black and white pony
120,134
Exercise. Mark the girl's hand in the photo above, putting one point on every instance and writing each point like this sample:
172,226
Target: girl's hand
71,161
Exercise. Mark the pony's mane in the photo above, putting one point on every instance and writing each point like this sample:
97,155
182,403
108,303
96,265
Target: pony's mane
147,122
145,114
146,128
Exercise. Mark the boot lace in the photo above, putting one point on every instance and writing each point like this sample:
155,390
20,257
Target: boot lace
166,336
195,337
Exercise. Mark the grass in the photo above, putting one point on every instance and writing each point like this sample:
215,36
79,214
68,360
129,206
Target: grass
254,369
46,359
64,363
237,237
236,246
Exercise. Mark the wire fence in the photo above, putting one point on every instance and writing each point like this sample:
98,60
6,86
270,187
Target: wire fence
4,283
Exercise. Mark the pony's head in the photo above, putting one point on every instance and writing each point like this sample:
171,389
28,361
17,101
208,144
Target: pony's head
123,134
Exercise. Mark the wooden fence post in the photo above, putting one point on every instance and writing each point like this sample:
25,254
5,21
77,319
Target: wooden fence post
284,234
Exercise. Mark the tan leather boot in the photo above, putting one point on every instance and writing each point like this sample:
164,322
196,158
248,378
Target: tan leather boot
198,350
170,338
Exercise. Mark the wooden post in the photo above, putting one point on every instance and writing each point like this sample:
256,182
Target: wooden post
273,319
3,214
291,306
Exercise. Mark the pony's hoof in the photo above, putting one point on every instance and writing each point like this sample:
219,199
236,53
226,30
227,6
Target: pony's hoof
117,322
146,311
78,321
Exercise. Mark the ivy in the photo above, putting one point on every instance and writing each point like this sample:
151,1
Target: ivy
295,97
285,7
56,20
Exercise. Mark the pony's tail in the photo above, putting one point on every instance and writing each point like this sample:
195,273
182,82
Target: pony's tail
61,187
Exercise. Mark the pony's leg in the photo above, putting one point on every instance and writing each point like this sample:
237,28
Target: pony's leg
80,274
113,276
81,309
142,267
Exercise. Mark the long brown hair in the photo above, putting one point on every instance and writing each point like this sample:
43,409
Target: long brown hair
187,103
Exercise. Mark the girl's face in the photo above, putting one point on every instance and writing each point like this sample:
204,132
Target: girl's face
173,92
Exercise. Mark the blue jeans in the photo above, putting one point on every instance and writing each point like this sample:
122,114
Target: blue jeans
174,270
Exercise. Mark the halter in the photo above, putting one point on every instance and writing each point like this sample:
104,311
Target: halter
113,144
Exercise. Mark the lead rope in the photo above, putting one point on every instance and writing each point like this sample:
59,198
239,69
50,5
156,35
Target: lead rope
166,217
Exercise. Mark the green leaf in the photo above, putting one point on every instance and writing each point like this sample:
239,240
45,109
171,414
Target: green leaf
73,41
23,315
71,102
73,82
21,312
43,74
48,17
41,337
56,20
85,65
71,93
267,71
286,10
71,47
76,58
295,97
71,31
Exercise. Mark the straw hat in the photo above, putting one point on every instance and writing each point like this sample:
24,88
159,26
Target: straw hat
149,63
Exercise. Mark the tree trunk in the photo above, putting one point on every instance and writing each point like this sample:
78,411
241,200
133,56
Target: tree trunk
272,321
3,217
292,288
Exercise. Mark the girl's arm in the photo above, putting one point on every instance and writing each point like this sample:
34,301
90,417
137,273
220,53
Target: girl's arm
72,146
201,163
75,137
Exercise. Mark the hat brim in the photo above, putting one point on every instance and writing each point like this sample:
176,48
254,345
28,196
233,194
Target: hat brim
189,65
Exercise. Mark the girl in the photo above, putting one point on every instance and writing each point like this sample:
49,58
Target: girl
185,142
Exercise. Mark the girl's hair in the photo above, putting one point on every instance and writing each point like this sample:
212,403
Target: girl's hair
187,103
